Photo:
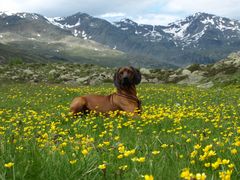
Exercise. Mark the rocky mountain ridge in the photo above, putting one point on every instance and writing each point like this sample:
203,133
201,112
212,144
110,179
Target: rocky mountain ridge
201,38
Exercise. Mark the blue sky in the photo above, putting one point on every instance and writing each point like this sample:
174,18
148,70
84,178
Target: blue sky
158,12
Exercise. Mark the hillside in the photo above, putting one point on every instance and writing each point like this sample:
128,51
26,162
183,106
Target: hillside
32,38
224,72
200,38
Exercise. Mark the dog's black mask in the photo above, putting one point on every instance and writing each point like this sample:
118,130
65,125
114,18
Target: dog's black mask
126,77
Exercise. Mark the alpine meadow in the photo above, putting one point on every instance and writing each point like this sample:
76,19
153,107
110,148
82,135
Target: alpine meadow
120,90
183,132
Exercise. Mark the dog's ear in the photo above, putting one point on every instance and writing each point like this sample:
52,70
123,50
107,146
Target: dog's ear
137,76
116,79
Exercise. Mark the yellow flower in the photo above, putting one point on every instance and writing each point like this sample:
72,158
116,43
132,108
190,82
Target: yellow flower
180,156
120,156
72,161
234,151
127,153
225,161
9,165
202,157
62,152
106,143
116,138
100,145
207,148
185,174
231,166
148,177
192,161
85,152
201,176
207,164
155,152
63,144
141,159
216,164
164,145
237,143
225,175
197,146
211,153
102,166
123,167
121,149
132,151
193,154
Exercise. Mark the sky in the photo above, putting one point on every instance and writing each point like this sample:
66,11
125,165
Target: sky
156,12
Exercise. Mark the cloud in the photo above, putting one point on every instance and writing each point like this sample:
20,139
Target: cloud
229,8
144,11
156,19
112,15
66,7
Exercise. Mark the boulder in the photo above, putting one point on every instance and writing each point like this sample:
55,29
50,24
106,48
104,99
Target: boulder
28,72
145,71
52,72
61,67
206,85
193,78
154,80
15,77
82,79
237,63
186,72
2,60
65,77
144,80
174,78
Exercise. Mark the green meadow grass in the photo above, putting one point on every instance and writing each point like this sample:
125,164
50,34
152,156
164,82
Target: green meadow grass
183,132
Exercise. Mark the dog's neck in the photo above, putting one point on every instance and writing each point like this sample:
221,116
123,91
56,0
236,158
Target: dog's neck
131,90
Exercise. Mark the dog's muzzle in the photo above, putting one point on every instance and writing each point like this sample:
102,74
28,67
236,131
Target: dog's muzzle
126,81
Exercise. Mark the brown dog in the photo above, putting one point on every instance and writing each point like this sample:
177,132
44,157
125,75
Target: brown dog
124,99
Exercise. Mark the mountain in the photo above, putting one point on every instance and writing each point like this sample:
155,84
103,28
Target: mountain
200,38
33,37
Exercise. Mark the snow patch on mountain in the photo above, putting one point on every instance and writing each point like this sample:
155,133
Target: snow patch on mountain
124,28
208,21
56,21
178,31
22,15
6,13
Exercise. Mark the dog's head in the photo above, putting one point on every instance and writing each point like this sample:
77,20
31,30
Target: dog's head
126,77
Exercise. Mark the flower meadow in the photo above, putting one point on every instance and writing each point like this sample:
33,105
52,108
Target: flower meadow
182,133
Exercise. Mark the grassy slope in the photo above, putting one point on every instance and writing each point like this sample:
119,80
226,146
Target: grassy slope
42,141
68,49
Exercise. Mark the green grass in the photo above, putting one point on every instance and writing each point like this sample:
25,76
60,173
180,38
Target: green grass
43,141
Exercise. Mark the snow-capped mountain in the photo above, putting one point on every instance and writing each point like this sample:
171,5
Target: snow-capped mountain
34,38
190,31
186,32
200,38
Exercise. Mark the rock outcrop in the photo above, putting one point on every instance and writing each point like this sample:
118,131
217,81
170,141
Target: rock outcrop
226,71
